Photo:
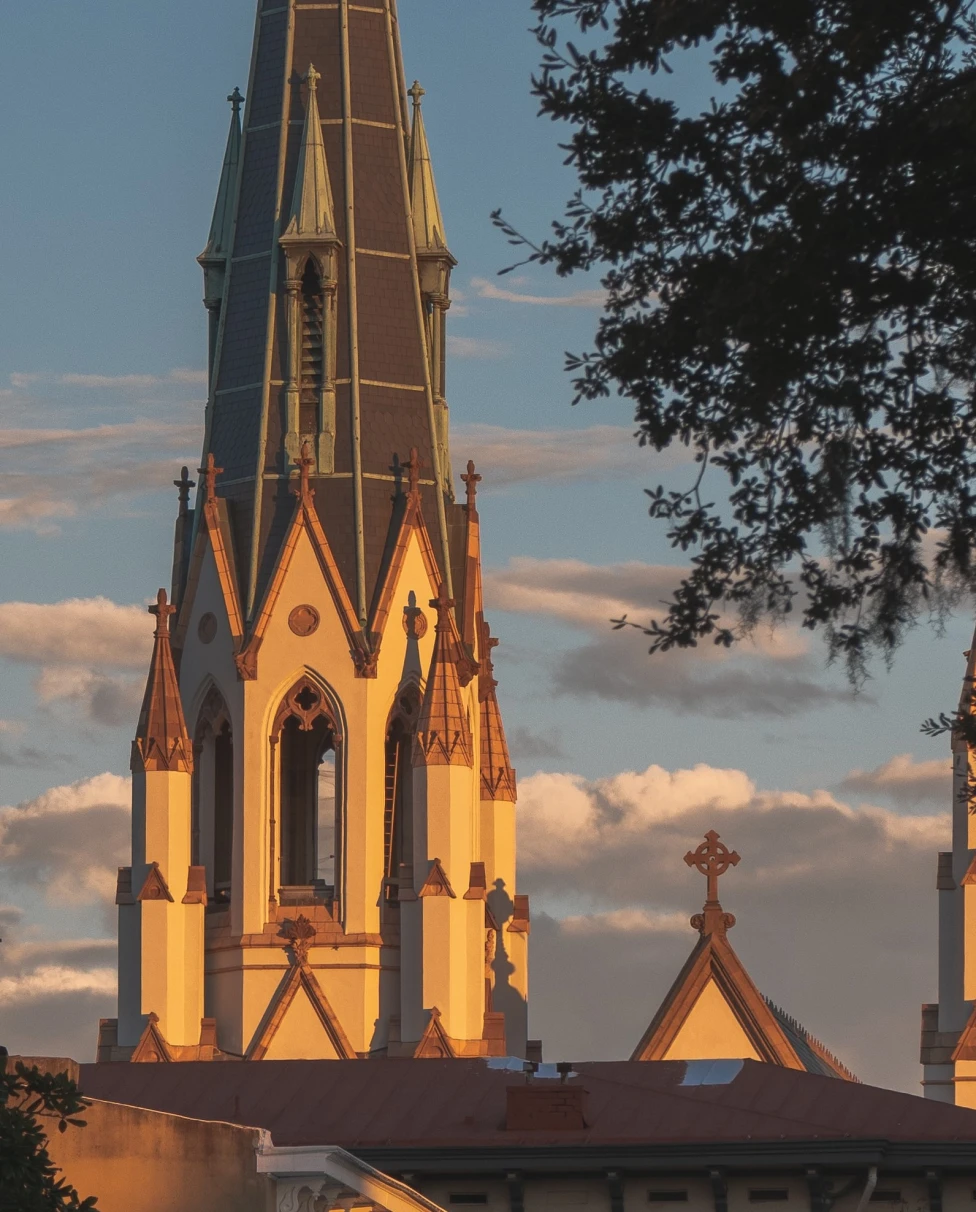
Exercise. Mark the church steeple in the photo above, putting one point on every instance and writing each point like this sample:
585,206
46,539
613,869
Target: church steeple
321,808
214,257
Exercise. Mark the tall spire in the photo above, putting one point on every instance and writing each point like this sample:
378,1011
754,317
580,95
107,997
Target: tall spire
428,222
443,730
312,208
162,741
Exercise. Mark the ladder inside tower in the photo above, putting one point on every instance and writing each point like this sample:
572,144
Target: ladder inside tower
313,352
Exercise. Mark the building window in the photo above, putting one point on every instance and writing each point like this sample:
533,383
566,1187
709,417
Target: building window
768,1195
213,798
886,1196
468,1197
313,351
309,829
668,1197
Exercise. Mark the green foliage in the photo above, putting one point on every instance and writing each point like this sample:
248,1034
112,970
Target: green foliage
791,293
28,1178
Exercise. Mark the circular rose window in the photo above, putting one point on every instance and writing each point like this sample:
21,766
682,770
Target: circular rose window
304,620
207,629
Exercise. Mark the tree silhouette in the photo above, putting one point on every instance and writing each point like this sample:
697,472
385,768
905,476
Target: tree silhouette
791,293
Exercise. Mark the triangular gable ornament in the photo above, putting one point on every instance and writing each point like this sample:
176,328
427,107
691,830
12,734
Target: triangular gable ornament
437,883
152,1049
965,1050
155,888
434,1043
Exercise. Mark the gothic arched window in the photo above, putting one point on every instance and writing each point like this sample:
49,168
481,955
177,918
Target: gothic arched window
213,797
309,836
398,818
313,350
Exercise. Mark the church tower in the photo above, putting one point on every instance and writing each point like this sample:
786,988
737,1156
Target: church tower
323,860
948,1052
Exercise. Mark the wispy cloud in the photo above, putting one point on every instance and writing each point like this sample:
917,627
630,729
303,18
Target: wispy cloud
905,781
486,289
476,348
599,452
103,437
183,377
768,674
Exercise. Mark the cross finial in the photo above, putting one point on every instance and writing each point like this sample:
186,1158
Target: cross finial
712,858
488,646
162,610
184,484
312,77
237,100
414,467
471,482
210,471
305,462
443,605
417,94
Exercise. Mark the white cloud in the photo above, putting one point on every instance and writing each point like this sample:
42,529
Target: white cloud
836,907
181,376
78,631
905,781
23,990
35,513
478,348
486,289
69,842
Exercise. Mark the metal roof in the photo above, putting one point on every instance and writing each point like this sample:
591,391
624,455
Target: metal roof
460,1104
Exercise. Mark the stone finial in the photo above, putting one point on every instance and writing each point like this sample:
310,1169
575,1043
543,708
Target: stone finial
312,215
498,781
184,484
414,468
471,482
416,94
236,99
428,221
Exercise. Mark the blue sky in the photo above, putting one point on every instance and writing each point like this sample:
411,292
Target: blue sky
115,128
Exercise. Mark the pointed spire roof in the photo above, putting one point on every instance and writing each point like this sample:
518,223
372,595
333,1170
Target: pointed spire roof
497,774
162,741
443,732
428,222
312,209
221,229
714,1009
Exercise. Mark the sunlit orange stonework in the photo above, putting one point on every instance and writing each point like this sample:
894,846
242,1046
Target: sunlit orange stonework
323,857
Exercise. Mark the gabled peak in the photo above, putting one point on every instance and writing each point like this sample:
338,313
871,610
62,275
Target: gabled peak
221,229
428,222
443,732
312,209
162,741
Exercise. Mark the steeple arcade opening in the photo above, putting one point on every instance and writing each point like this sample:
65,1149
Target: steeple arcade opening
309,817
398,815
313,351
213,797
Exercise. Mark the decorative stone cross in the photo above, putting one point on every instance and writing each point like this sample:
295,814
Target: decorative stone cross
162,610
417,93
312,77
210,472
471,482
237,100
305,462
712,858
414,468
